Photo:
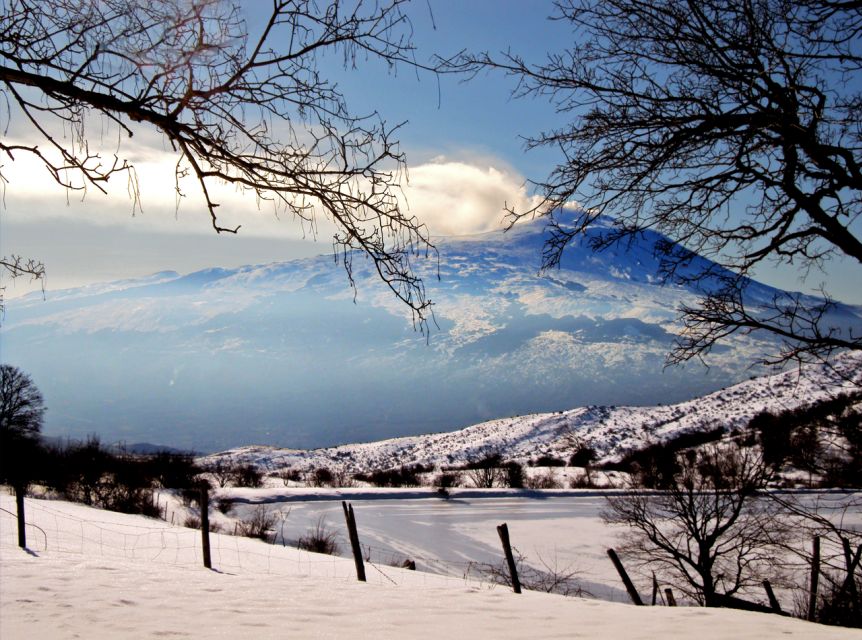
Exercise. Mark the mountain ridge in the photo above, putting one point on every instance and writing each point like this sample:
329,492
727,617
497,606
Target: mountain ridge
610,431
281,353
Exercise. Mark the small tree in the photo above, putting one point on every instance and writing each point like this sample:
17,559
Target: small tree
708,533
513,474
485,472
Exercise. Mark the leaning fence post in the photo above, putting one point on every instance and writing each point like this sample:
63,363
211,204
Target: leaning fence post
773,601
19,503
815,578
354,540
503,532
671,601
630,587
654,589
205,525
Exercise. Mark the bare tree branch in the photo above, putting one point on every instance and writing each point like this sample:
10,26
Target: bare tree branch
731,127
250,110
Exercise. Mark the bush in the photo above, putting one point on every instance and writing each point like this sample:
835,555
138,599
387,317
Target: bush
173,470
247,475
405,476
513,475
258,525
319,539
548,461
319,477
546,480
584,480
551,578
288,475
448,479
584,456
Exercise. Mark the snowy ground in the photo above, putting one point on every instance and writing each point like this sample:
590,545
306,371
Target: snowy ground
96,574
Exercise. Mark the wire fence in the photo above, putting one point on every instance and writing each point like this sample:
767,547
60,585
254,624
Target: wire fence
53,530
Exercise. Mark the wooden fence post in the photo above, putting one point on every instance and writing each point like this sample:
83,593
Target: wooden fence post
350,517
205,525
671,601
815,578
654,589
773,601
22,523
503,532
630,587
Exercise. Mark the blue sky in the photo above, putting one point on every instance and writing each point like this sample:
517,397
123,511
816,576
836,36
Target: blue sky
463,143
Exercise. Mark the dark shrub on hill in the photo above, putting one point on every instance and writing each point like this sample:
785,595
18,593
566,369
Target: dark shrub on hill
319,477
824,438
513,475
247,475
406,476
584,456
173,470
655,465
547,461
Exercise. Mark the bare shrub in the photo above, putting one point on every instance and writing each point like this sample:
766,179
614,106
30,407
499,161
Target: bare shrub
319,539
288,475
549,578
342,478
258,525
585,480
547,479
319,477
247,475
448,479
221,472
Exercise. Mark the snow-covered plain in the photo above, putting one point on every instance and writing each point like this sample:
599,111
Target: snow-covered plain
100,575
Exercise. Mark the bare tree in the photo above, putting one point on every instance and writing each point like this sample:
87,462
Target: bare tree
22,407
708,534
22,410
729,126
247,109
485,472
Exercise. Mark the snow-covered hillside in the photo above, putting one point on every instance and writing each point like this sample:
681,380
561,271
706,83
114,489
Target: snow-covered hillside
611,431
101,575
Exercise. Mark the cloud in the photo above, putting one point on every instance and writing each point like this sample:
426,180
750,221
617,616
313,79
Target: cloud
452,197
464,197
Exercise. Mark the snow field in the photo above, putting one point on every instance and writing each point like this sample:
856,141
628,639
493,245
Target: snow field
100,575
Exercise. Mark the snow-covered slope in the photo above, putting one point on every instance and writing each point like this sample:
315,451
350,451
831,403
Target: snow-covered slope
281,354
102,575
610,430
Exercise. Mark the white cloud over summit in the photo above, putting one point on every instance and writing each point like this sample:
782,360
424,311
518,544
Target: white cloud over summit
456,197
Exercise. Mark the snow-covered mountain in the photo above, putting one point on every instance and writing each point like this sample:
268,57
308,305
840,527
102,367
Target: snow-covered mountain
280,354
610,430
